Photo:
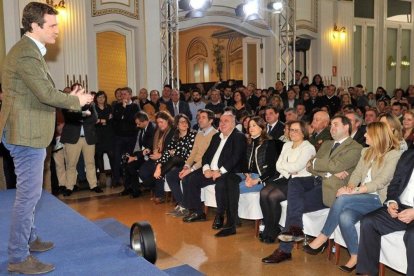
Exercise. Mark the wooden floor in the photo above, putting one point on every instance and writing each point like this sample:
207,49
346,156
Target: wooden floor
194,244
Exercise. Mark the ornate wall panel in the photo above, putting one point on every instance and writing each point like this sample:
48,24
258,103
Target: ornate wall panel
307,15
127,8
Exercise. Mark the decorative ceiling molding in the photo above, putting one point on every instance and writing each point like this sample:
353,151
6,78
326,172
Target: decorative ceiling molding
128,8
197,48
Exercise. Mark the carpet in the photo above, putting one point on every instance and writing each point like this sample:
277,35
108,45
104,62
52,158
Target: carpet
81,246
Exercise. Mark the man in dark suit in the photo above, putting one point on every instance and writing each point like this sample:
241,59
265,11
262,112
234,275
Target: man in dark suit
358,130
320,125
220,163
175,106
142,149
275,128
79,136
312,193
396,215
330,100
27,125
312,102
290,101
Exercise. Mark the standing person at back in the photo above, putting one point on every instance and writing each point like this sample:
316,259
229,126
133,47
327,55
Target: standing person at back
27,124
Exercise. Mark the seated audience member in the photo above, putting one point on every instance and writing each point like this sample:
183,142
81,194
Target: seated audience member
142,149
364,193
261,151
104,134
240,104
275,128
125,131
291,101
176,106
399,97
408,127
311,103
79,136
195,105
154,105
358,130
382,106
193,163
397,214
227,98
301,112
396,109
371,115
312,193
162,137
174,156
291,163
215,105
320,126
166,94
261,108
330,100
221,161
290,115
396,128
245,125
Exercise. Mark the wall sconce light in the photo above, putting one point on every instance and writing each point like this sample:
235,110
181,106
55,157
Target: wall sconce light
405,63
391,63
339,32
60,5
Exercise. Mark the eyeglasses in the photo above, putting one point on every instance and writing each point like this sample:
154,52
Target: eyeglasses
295,130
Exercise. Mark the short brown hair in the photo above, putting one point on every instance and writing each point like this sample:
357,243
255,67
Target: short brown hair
34,12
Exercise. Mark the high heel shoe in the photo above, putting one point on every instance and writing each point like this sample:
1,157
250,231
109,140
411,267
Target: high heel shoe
344,268
315,251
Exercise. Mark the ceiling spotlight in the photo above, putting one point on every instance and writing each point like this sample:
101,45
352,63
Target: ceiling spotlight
275,7
197,4
249,10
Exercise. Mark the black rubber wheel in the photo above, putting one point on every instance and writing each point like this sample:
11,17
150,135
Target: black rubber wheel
142,241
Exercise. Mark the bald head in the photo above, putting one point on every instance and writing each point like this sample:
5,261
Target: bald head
320,121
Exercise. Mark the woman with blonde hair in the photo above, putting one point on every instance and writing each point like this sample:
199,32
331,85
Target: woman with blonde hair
365,192
408,127
392,122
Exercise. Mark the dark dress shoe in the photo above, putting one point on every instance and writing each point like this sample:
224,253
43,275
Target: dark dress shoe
294,234
125,192
67,192
97,190
346,269
193,217
276,257
218,222
268,240
159,200
315,251
135,194
226,232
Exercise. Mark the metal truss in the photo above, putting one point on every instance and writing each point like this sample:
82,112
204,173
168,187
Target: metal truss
287,38
169,42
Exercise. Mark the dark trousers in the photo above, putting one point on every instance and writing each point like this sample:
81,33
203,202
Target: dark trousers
99,158
304,196
270,197
174,182
146,171
373,226
228,193
122,145
132,175
192,185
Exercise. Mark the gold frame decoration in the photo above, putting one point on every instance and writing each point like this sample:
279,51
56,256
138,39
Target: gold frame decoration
113,8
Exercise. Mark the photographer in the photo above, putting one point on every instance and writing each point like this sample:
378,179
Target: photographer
142,150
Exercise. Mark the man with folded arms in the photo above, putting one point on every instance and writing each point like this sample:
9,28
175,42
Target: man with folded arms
331,169
27,124
397,215
220,163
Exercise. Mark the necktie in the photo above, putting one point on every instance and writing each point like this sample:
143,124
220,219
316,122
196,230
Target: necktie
269,128
141,137
334,147
176,109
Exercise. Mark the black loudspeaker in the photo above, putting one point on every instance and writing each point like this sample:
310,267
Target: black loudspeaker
142,241
302,44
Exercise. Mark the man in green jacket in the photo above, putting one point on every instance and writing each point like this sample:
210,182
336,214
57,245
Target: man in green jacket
27,122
